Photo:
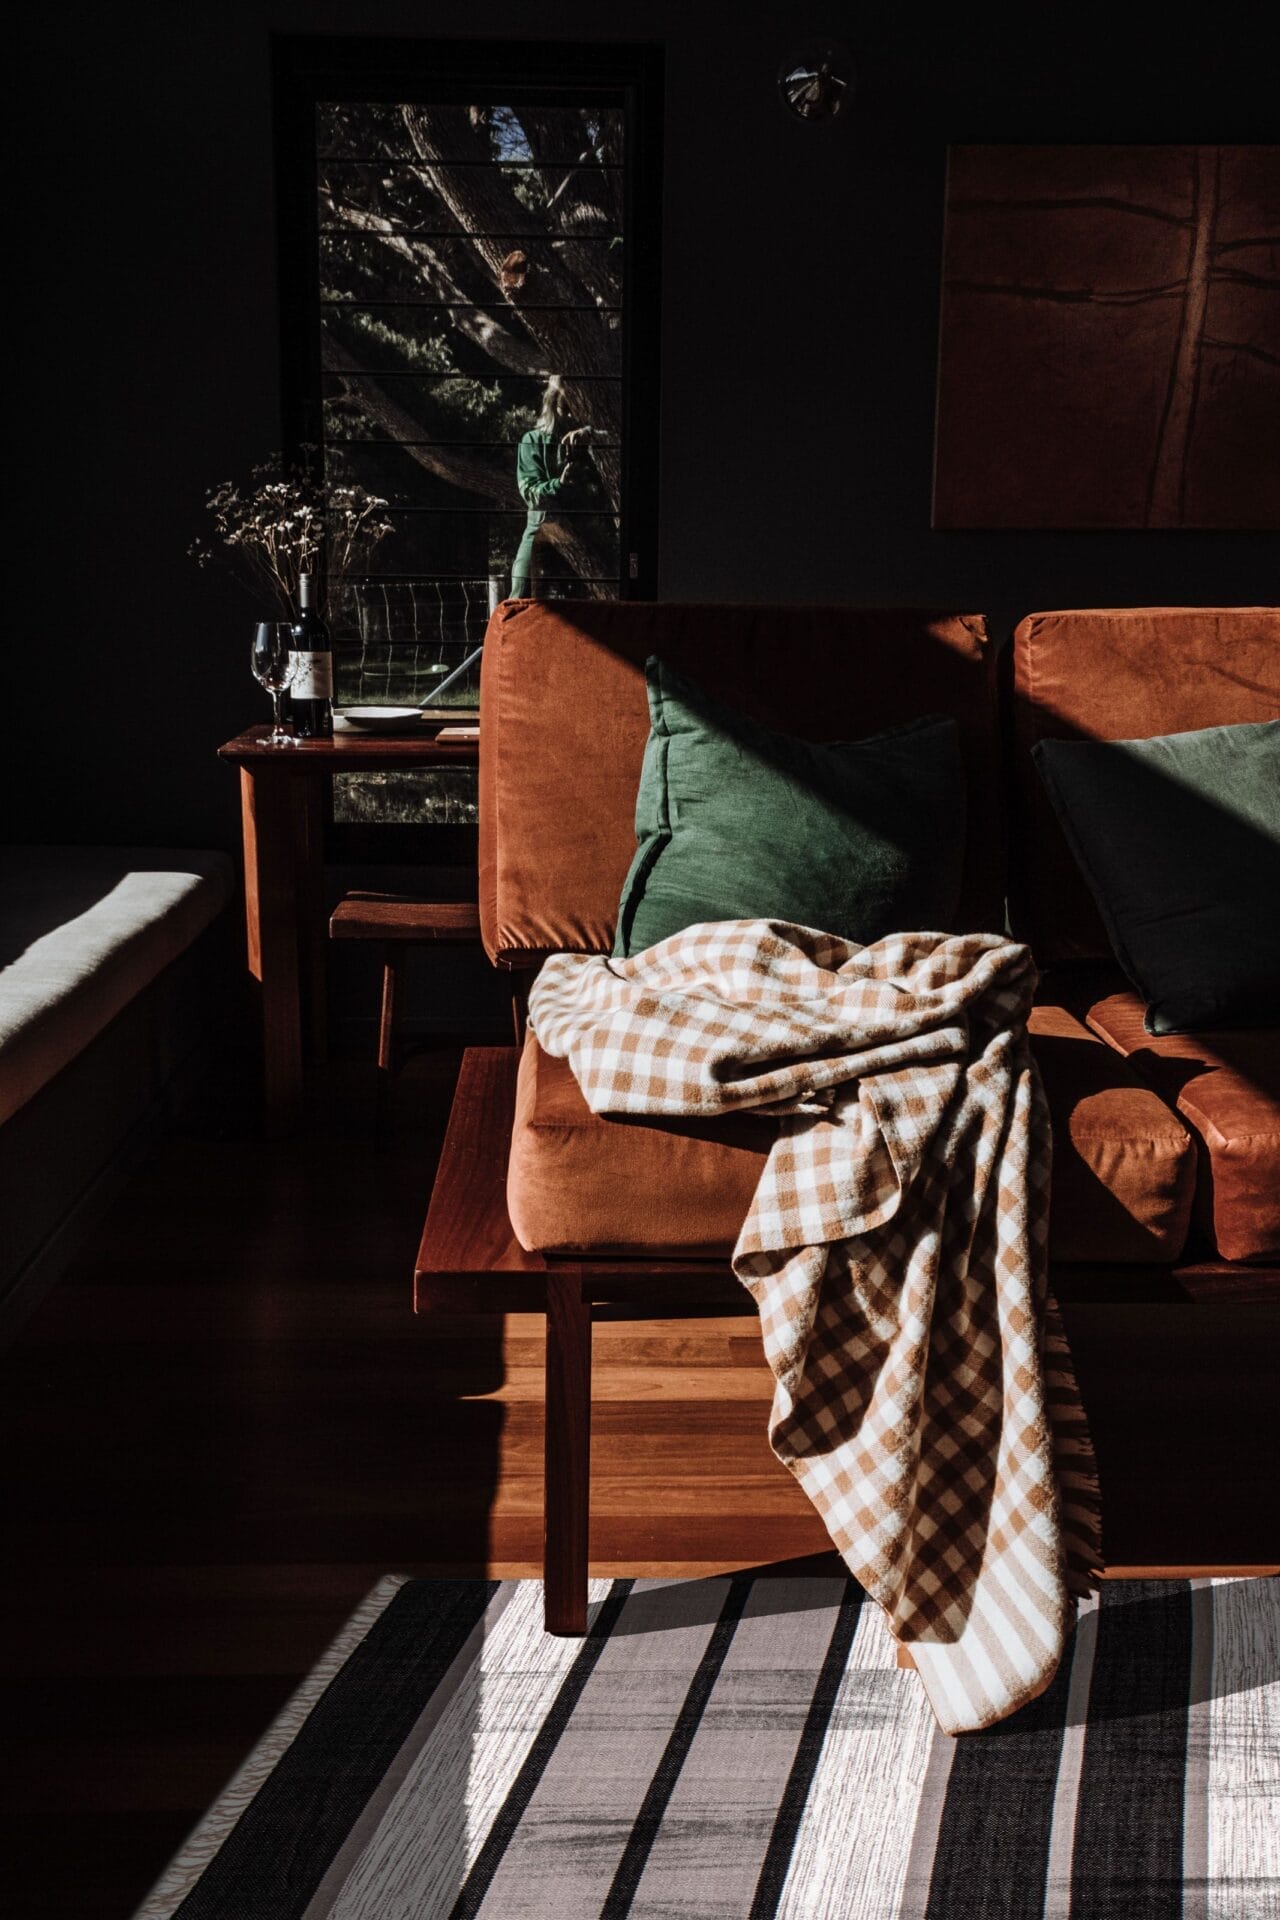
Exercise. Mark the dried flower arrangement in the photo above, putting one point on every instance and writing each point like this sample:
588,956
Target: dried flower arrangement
282,525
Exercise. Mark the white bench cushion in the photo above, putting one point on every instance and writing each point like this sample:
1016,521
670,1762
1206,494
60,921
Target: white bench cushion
82,930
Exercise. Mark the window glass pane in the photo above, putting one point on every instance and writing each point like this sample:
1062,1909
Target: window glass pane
356,264
398,642
446,796
435,340
374,131
472,349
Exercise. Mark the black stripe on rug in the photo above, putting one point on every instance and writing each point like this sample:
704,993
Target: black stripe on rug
795,1795
644,1831
277,1853
1127,1863
992,1851
523,1787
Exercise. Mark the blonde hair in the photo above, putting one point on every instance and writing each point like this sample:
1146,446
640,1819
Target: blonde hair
554,405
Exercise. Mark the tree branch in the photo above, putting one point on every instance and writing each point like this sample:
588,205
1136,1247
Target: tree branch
463,467
481,328
583,556
569,196
484,207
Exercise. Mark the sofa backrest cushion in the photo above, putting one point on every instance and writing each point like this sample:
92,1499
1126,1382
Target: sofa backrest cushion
1122,673
564,721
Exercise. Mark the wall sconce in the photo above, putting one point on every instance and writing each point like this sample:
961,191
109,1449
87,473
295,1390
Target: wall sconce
815,80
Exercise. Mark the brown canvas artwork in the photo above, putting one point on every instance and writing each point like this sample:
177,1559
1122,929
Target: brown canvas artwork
1110,341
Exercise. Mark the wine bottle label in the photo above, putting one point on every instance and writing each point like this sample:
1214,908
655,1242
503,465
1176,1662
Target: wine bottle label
313,676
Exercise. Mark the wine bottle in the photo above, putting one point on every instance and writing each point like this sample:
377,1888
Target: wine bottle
311,689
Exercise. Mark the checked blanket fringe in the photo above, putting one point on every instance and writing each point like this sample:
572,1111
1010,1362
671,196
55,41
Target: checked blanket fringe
897,1249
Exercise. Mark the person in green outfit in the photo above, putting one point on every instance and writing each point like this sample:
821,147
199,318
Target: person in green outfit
550,459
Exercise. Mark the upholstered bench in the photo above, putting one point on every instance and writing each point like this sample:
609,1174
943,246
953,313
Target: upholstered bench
1165,1202
101,997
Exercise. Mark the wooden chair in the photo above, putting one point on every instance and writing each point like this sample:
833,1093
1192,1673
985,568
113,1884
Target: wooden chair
398,924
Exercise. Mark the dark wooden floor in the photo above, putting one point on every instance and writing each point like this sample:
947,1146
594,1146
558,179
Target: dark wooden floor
225,1425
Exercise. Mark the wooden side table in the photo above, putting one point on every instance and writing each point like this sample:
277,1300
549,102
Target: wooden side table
282,794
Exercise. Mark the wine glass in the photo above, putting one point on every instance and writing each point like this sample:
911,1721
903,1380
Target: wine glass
273,668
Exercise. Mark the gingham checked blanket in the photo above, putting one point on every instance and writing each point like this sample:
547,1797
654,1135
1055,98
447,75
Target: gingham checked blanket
897,1250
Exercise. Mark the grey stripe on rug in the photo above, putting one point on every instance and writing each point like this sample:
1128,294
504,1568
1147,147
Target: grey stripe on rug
746,1748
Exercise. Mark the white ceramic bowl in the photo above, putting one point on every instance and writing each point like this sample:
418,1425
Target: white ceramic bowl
382,719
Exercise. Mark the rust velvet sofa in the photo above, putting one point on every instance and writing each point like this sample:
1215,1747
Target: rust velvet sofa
1165,1216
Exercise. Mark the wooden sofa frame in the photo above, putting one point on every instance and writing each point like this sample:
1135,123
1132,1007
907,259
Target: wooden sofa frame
470,1262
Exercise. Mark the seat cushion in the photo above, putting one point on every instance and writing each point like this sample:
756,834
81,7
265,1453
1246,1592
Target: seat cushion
1123,1174
577,1183
82,931
1226,1086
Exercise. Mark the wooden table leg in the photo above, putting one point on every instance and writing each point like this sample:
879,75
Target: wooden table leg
568,1455
267,812
313,920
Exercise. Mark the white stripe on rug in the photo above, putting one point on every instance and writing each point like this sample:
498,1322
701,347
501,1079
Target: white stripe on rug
913,1898
1244,1752
565,1851
470,1658
454,1772
1066,1793
851,1853
1195,1797
720,1817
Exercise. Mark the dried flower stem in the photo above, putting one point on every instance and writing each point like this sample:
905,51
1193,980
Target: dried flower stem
282,526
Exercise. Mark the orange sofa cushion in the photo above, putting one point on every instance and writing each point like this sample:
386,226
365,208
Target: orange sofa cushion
565,718
1226,1086
1117,674
1123,1175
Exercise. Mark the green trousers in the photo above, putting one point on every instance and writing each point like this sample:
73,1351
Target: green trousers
522,565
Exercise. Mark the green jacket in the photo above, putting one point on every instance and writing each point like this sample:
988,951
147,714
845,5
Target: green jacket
539,473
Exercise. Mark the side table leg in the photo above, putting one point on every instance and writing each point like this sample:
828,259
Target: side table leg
568,1455
271,915
384,1107
313,921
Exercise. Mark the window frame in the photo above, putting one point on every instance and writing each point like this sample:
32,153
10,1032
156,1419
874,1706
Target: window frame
309,68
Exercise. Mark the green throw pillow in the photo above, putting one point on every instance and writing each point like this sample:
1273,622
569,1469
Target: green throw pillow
1179,840
735,821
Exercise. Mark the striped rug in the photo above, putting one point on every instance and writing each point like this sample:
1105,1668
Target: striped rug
747,1747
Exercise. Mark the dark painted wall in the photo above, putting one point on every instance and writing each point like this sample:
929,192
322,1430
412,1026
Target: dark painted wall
800,299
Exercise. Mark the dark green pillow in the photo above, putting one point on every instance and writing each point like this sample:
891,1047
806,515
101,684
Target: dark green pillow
735,821
1179,840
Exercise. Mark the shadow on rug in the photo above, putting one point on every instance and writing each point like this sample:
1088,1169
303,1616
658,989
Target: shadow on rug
744,1747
